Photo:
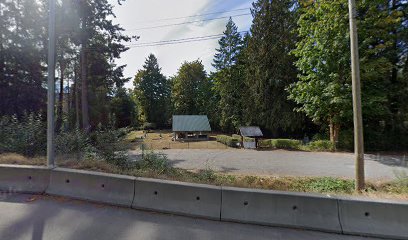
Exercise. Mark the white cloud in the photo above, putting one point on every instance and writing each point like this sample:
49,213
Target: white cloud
134,14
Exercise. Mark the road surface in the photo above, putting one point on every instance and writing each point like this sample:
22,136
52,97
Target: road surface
286,163
30,217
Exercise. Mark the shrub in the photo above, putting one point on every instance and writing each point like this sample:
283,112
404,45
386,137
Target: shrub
265,143
286,144
229,141
246,139
72,142
321,145
26,135
107,145
152,161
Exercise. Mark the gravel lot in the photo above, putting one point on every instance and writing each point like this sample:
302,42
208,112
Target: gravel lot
286,163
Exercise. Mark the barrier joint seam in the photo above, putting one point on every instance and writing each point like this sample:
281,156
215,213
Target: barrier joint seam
134,193
222,190
339,214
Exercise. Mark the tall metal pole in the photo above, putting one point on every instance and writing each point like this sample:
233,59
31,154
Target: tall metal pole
357,112
51,85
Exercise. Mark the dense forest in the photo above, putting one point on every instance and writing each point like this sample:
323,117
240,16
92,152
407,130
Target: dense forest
289,74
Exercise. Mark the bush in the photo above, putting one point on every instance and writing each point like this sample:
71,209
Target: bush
246,139
107,145
265,143
321,145
26,135
229,141
286,144
72,142
152,161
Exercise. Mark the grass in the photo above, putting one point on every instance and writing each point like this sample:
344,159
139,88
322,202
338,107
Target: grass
159,140
157,166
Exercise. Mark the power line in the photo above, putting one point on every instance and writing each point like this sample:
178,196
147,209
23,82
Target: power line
172,43
193,16
177,41
174,40
183,23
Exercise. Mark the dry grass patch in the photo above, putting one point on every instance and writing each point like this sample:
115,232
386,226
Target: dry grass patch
18,159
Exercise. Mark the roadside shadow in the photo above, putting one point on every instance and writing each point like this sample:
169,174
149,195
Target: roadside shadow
389,160
173,163
34,219
227,169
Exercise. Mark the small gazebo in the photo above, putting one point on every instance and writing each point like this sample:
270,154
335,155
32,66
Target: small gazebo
250,132
191,127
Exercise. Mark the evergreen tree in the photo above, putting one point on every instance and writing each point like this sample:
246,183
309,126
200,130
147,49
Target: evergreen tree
229,80
152,91
22,55
271,67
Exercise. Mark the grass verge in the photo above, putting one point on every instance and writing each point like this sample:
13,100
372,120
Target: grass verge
155,165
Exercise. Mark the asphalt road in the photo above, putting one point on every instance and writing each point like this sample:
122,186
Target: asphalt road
287,163
29,217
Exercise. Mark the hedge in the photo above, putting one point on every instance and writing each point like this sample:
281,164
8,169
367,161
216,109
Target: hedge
321,145
229,141
281,144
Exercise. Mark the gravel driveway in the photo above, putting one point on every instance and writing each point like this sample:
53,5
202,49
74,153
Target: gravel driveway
287,163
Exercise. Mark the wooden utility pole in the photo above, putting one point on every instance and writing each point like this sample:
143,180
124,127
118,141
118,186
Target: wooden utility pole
51,85
357,112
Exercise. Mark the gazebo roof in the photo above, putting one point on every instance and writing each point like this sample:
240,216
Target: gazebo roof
191,123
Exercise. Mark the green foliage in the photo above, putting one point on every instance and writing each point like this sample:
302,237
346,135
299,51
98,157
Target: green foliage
72,142
124,109
152,92
270,67
328,184
286,144
289,144
323,51
107,145
152,161
229,141
320,145
22,57
25,135
228,79
191,90
324,89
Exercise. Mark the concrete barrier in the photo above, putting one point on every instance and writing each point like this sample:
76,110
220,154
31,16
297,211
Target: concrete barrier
23,179
99,187
177,197
374,218
353,216
274,208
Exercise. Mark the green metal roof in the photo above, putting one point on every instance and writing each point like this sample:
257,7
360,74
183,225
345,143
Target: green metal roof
191,123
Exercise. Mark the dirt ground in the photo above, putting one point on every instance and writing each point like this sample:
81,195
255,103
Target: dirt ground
162,139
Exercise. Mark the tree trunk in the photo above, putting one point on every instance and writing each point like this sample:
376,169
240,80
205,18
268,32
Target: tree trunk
84,90
60,97
84,68
76,92
334,133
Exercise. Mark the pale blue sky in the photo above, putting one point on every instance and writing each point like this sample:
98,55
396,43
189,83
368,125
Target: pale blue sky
136,14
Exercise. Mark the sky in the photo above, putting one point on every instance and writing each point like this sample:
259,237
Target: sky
133,15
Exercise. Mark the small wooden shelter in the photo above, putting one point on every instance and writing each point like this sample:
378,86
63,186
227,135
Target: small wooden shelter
250,132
